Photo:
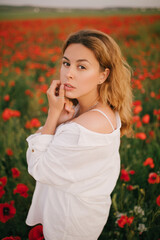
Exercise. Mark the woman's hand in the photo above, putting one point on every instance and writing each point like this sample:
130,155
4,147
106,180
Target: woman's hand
55,94
67,112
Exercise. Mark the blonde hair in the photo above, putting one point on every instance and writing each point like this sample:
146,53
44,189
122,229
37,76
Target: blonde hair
116,89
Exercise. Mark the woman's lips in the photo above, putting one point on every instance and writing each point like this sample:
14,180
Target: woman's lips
68,87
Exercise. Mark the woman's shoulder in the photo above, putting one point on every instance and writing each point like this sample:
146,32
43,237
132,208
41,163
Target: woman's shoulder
100,120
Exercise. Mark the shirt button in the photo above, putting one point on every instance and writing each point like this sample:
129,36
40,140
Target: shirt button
32,150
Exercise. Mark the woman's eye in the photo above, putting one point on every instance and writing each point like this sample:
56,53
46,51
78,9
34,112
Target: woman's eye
66,64
81,67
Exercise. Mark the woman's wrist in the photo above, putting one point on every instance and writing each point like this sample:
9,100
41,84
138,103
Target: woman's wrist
51,122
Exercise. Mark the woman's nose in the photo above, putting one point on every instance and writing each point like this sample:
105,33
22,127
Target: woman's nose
70,72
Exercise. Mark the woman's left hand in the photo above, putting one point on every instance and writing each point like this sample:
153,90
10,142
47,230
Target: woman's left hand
67,112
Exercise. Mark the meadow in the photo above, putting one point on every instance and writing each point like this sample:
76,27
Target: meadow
30,52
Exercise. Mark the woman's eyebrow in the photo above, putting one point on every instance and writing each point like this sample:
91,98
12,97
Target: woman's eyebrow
79,60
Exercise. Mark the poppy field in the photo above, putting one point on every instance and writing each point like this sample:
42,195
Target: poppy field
30,53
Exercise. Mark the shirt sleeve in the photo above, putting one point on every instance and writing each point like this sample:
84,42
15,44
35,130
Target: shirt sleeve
46,160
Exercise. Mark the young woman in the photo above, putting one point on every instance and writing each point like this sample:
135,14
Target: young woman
74,157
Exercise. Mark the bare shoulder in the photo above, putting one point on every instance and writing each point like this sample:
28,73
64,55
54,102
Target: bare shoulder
96,121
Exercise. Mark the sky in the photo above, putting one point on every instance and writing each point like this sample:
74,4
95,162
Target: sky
83,3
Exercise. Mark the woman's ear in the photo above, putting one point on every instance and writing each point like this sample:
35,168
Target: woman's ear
104,75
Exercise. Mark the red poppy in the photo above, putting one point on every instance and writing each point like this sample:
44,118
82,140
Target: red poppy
3,181
124,175
44,109
7,211
130,188
6,98
158,200
33,123
132,172
141,135
146,119
29,93
22,189
124,220
2,192
9,152
15,172
12,83
36,233
153,178
9,113
11,238
149,161
137,109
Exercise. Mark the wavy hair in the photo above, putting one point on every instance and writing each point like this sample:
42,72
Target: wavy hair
116,89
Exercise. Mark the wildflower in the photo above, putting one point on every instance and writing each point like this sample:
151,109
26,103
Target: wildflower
3,181
2,192
15,172
124,220
149,161
124,175
44,109
158,200
9,152
139,211
9,113
33,123
137,109
153,178
132,172
141,135
28,93
130,187
6,98
36,233
141,228
12,83
146,119
7,211
22,189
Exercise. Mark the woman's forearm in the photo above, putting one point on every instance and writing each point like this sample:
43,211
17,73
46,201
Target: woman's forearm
50,124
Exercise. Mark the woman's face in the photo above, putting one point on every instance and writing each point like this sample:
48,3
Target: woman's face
80,72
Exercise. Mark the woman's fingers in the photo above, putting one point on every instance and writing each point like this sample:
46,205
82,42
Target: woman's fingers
61,91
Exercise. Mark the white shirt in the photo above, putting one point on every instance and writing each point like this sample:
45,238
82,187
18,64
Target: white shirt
75,171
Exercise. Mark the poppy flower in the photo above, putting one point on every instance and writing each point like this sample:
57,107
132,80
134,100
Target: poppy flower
153,178
6,98
158,200
130,188
124,220
149,161
33,123
9,152
141,135
137,109
7,211
3,181
22,189
2,192
15,172
146,119
36,233
9,113
124,175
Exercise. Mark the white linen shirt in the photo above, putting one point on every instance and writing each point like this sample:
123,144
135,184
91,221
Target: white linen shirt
75,171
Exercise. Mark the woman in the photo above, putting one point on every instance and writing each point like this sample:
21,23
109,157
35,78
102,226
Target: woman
74,157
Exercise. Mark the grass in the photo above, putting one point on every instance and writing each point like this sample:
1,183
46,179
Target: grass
27,12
